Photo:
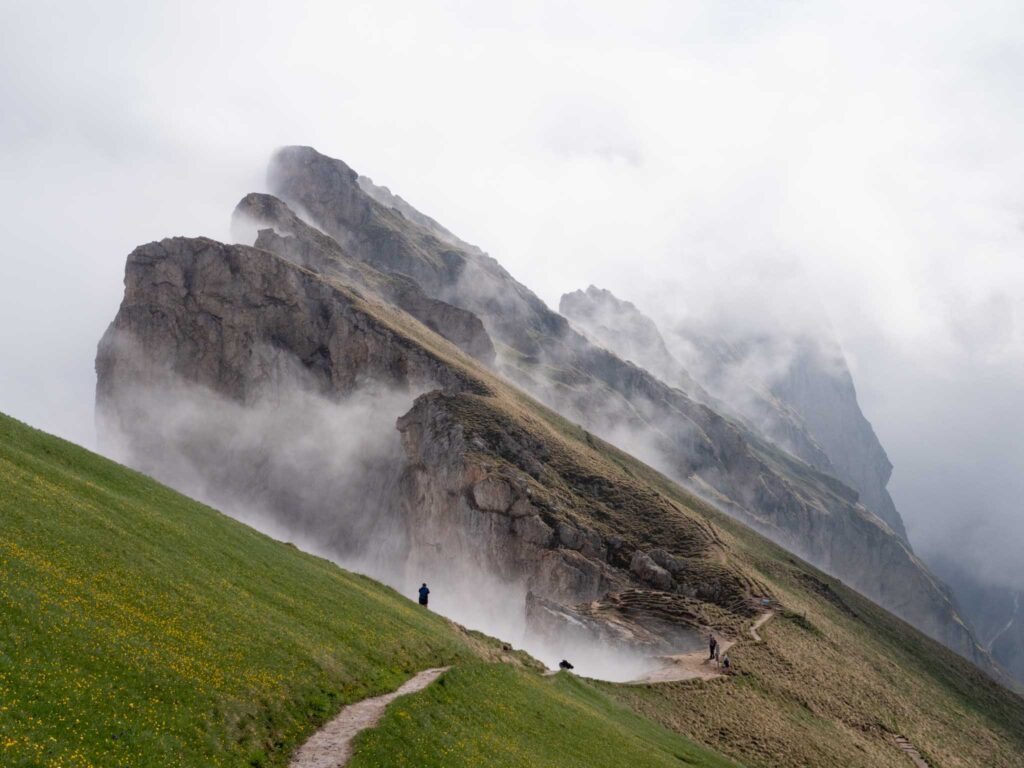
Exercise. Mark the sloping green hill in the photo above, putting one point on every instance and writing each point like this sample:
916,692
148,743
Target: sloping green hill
138,627
496,714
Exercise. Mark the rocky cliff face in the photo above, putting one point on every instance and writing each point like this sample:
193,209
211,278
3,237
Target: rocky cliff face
228,318
783,498
622,328
995,612
281,232
817,384
477,496
805,402
370,297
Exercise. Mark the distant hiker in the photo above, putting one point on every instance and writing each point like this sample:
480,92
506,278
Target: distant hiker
725,662
563,664
718,651
712,647
424,593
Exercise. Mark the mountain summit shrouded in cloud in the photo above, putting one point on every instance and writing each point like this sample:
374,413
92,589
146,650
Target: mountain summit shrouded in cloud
331,384
201,321
766,185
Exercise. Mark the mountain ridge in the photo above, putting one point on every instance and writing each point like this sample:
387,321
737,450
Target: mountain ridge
488,485
540,352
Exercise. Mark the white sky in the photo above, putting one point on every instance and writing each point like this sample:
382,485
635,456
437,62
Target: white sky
689,156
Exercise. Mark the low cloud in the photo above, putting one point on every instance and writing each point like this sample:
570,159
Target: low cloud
694,157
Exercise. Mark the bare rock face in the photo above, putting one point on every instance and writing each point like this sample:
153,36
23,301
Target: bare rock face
818,386
464,509
386,237
237,320
492,495
331,308
790,500
622,328
458,510
649,572
282,233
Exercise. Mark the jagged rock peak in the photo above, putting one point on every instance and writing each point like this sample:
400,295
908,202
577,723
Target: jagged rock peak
293,239
620,326
806,510
807,406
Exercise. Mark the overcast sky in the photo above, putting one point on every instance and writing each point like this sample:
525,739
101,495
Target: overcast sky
711,156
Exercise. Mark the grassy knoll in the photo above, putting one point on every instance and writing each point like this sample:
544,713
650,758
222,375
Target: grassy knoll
138,627
500,716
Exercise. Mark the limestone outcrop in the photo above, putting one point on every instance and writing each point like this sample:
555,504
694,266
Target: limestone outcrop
795,502
490,480
283,233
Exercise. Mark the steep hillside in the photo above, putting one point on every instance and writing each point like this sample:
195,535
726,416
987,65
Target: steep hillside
834,680
808,511
500,715
138,627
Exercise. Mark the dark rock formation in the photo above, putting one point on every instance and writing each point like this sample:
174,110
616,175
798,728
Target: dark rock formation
817,384
486,486
476,494
239,321
807,406
808,511
620,327
290,238
330,192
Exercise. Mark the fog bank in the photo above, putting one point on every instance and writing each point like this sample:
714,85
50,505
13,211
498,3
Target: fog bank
866,158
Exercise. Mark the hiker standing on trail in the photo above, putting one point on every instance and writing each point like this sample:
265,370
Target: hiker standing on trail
424,594
712,646
718,651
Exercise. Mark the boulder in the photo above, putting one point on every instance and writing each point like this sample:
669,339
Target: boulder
492,494
648,571
533,530
569,536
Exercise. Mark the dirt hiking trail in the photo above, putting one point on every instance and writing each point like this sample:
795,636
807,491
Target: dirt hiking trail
911,751
331,746
696,665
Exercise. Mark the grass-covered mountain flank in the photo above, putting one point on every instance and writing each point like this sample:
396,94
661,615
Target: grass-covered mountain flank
138,627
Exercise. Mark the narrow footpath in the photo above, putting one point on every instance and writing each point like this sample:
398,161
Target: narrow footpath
331,746
911,751
696,665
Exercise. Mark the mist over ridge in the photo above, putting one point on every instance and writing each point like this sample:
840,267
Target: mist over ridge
863,161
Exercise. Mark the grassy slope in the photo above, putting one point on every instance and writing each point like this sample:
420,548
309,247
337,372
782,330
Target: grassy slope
479,715
834,679
138,627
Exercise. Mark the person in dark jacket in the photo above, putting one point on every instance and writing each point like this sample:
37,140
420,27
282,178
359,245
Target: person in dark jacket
712,645
424,594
